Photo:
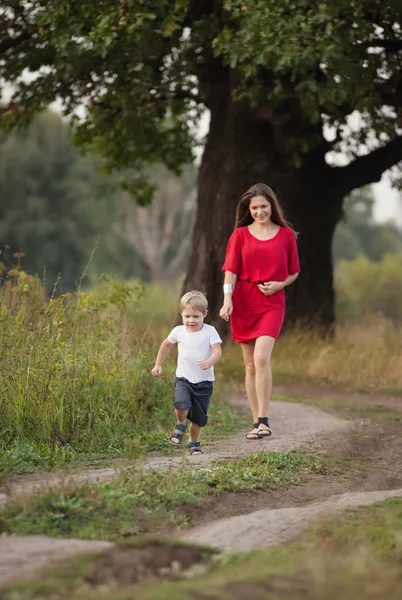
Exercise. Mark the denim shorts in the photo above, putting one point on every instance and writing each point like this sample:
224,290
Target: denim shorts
193,397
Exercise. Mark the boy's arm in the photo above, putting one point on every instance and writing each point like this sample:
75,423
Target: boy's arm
213,359
163,350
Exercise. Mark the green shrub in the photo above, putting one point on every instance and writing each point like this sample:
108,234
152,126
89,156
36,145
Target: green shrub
75,374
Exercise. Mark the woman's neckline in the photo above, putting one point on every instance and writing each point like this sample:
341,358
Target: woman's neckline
268,239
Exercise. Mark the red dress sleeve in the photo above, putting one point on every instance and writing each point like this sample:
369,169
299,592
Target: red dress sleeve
293,255
233,254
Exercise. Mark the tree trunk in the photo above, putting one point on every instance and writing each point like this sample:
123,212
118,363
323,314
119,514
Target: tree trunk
240,152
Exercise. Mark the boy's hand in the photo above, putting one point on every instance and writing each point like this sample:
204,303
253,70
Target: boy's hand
157,371
203,364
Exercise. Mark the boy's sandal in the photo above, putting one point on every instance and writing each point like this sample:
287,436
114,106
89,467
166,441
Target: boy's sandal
194,448
253,434
176,436
265,432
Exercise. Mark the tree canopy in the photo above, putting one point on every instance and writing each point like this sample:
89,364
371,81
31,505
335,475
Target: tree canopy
139,68
273,76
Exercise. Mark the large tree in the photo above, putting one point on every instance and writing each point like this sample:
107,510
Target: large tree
272,74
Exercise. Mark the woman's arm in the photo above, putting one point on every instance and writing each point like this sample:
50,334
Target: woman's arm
271,287
290,279
228,287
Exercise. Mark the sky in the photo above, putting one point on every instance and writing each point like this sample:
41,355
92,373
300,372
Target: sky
388,205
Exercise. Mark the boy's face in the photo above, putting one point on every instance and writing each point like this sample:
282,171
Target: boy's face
193,319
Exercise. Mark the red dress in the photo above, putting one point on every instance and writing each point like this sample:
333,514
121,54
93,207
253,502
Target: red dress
254,261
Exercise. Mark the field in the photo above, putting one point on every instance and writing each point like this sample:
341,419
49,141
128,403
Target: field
77,394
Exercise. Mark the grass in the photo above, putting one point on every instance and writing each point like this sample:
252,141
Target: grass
23,457
364,356
356,554
76,381
147,500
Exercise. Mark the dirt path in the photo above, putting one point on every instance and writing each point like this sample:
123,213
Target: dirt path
264,528
294,425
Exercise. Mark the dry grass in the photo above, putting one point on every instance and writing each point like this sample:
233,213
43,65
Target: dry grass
363,356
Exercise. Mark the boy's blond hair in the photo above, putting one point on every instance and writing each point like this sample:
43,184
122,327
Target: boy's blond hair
196,300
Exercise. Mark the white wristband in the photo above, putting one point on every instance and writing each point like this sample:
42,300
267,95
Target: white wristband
228,288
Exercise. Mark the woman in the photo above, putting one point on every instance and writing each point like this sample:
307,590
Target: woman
261,260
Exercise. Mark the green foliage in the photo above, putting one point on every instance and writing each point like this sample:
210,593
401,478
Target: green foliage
110,58
365,288
314,54
143,500
75,377
358,233
76,381
144,69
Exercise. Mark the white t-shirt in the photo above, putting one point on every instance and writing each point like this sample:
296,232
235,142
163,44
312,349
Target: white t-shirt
191,347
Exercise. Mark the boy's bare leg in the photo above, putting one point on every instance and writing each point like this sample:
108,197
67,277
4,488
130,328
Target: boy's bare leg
195,432
181,414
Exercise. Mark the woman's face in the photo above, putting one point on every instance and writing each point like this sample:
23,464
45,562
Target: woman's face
260,209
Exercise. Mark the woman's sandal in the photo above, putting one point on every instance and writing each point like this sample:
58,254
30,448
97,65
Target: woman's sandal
264,433
177,434
194,448
253,434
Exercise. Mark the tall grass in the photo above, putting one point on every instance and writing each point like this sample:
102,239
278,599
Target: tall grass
363,356
75,374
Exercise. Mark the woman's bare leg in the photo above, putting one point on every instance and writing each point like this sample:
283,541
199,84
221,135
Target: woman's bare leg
263,374
248,357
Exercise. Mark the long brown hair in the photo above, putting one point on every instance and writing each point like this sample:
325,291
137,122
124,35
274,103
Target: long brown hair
243,215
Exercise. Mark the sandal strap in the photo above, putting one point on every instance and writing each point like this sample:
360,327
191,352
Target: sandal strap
180,427
194,444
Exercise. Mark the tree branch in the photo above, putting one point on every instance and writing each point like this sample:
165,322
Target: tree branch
369,168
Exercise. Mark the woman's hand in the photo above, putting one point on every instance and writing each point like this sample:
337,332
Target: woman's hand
270,287
226,310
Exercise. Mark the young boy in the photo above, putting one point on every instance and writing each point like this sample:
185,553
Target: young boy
199,348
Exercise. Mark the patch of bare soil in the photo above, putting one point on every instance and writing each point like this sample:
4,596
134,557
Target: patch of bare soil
22,558
125,565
